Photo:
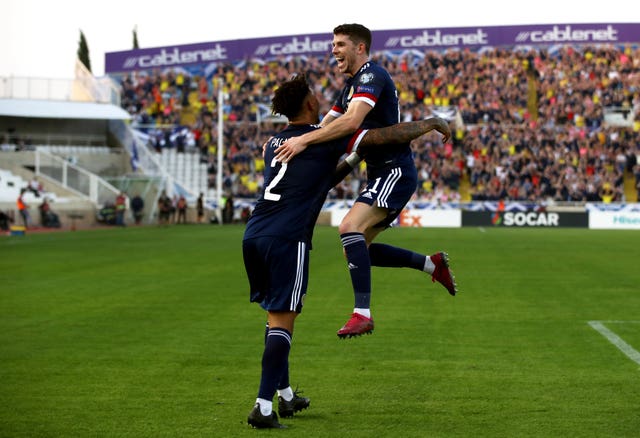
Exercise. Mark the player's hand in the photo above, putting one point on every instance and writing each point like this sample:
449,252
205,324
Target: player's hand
289,149
443,128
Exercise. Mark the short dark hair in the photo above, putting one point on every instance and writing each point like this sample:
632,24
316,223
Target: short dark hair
356,33
289,96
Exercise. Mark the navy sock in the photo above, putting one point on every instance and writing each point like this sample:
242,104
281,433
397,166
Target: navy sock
275,359
355,248
393,257
284,380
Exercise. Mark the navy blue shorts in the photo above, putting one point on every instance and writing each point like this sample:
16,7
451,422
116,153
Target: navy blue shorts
278,272
390,188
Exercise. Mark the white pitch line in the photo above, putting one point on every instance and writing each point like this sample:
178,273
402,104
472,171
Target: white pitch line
616,340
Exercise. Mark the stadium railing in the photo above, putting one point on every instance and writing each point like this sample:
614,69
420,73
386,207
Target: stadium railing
85,184
77,90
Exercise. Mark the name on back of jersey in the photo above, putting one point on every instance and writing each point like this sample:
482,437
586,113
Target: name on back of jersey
276,142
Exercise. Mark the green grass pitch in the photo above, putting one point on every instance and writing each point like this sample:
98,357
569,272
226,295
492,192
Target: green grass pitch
148,332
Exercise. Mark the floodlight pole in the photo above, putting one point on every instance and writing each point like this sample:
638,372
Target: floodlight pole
220,134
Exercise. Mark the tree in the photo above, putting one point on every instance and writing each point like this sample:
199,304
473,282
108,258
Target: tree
135,38
83,51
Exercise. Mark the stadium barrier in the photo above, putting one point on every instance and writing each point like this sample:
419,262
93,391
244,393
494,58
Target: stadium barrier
614,216
412,217
84,88
522,219
85,184
515,215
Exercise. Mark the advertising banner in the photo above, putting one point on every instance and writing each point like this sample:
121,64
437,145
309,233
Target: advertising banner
414,218
524,219
614,220
398,41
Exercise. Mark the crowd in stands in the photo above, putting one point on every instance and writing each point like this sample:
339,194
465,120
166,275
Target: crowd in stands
528,124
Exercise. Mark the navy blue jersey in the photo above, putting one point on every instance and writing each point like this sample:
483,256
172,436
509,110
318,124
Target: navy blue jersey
294,192
373,85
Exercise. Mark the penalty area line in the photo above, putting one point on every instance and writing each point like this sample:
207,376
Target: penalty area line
616,340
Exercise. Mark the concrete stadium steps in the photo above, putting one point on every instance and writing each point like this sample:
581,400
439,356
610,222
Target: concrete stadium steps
186,168
11,185
71,150
72,210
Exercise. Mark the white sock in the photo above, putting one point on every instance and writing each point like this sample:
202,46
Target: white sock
428,265
266,406
286,393
363,312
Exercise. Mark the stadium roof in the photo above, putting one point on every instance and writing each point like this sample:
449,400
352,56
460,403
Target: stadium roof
49,109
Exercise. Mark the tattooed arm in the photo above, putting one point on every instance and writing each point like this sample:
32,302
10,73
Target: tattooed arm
394,134
405,132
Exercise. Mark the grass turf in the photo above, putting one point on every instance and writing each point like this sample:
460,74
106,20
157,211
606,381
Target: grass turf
148,332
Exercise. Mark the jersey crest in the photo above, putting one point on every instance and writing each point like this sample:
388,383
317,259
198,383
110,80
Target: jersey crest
365,78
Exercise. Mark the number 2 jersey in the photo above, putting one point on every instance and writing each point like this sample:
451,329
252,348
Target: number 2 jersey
294,192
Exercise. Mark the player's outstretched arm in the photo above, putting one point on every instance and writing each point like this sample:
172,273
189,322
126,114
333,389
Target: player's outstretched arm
398,133
340,127
405,132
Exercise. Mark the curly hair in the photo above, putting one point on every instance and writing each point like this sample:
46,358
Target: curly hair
289,97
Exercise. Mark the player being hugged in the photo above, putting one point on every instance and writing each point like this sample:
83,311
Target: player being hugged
369,100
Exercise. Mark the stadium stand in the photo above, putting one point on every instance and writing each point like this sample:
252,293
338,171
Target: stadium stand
551,124
67,139
530,124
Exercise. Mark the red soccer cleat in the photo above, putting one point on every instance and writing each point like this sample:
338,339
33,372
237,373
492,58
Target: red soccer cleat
356,326
442,274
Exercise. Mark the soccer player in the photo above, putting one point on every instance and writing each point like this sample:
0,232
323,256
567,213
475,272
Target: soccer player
278,235
368,100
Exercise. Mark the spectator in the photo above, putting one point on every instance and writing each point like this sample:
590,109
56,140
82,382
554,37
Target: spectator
164,208
48,218
121,208
200,208
174,208
137,209
107,214
35,186
23,209
5,221
181,206
228,210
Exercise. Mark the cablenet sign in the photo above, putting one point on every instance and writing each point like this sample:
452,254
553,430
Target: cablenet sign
201,55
